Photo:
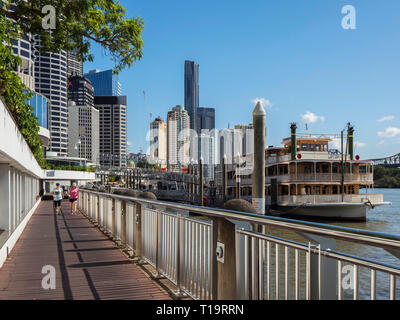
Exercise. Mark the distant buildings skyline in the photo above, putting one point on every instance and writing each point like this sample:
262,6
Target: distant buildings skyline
205,143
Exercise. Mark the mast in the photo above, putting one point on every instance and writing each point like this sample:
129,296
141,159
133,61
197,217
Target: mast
342,162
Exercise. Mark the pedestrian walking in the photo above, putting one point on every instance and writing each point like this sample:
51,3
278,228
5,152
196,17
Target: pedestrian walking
57,197
73,197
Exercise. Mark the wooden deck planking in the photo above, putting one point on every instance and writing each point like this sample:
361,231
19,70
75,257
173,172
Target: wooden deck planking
88,265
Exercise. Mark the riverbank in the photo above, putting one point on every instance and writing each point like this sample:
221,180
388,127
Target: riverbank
388,178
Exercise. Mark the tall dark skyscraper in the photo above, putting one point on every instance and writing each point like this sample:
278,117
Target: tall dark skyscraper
206,118
80,91
192,92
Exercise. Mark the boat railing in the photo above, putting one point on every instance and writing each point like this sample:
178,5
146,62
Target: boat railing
212,253
329,198
332,177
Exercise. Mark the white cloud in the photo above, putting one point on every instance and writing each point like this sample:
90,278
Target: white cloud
264,102
359,144
334,144
386,118
310,117
389,132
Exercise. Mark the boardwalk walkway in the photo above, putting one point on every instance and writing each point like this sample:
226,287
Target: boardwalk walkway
88,265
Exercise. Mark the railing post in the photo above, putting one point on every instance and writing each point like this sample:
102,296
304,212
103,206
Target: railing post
123,222
138,231
322,269
88,205
224,259
157,274
113,216
179,243
98,210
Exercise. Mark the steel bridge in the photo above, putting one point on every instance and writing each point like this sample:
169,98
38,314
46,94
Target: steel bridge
388,162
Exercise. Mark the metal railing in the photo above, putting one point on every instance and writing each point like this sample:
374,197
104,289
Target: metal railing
182,242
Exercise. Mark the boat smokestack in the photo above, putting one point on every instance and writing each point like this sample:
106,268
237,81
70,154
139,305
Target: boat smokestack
293,128
350,139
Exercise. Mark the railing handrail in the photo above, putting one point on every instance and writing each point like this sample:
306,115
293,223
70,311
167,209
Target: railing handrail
376,265
372,238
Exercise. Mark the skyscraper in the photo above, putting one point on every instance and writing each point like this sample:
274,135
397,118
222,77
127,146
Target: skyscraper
113,148
51,81
158,141
206,118
206,145
40,105
192,92
74,65
83,132
178,124
80,91
246,137
105,83
26,71
24,48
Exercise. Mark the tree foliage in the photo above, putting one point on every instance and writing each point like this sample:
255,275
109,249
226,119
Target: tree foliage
386,177
143,163
15,93
78,22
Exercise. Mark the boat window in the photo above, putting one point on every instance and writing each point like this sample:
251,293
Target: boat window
283,170
317,147
324,147
307,189
362,169
317,190
351,189
325,190
335,168
334,189
303,147
307,168
310,147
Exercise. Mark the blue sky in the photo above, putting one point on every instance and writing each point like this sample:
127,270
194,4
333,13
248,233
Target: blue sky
295,54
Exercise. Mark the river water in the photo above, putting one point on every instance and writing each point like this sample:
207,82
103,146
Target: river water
384,219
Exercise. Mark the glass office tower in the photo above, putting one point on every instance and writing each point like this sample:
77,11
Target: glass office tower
105,83
192,92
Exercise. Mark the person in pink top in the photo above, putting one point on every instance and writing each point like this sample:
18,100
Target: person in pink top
73,197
